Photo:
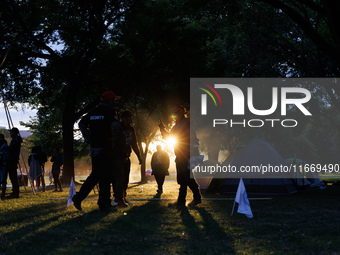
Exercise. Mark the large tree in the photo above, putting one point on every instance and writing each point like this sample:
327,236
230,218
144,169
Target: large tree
66,53
54,46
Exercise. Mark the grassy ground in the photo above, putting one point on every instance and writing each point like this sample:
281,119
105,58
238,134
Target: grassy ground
305,223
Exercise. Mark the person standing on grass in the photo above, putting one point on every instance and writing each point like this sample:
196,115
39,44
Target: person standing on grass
3,158
129,141
36,162
184,139
102,131
58,161
12,162
160,162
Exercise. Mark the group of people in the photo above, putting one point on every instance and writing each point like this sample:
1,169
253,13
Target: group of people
9,159
111,144
36,162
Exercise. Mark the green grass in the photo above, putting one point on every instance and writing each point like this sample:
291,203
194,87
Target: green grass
305,223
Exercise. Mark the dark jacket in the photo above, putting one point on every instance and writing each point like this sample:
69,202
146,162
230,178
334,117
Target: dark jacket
3,153
14,148
130,141
96,126
160,162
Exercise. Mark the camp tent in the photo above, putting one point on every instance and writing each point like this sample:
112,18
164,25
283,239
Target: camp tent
205,182
303,178
255,153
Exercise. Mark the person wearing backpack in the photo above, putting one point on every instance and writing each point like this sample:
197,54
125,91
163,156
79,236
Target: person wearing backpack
160,162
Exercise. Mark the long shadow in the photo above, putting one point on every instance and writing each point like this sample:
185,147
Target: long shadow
146,227
82,232
207,231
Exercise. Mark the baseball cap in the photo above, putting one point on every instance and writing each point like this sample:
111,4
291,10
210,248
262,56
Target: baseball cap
109,95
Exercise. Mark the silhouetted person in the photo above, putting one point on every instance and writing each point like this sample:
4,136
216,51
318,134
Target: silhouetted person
160,162
13,160
101,129
129,143
184,139
36,162
3,159
58,161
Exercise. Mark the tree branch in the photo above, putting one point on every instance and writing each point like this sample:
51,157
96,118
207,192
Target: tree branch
328,49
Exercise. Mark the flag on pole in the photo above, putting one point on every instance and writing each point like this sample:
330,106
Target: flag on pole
242,200
71,193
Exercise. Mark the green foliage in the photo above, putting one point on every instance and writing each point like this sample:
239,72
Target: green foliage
64,54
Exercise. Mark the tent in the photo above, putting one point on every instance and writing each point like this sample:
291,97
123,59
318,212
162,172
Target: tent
256,152
303,178
205,182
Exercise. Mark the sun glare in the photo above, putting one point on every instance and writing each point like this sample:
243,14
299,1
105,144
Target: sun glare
171,141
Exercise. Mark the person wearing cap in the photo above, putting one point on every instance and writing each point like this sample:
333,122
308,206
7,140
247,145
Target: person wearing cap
102,131
12,162
184,139
130,143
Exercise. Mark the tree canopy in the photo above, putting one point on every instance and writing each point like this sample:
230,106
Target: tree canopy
63,54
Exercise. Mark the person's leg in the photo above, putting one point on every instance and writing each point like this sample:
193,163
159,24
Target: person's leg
56,179
161,182
38,181
4,183
158,178
181,168
89,183
196,191
104,163
118,173
13,176
59,182
127,166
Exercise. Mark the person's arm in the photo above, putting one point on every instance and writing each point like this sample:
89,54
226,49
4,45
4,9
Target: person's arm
153,160
83,126
135,146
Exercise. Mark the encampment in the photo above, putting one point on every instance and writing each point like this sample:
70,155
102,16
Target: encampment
256,153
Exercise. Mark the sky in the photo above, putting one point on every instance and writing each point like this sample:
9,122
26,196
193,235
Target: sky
21,114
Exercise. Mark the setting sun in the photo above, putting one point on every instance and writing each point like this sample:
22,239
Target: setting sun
171,141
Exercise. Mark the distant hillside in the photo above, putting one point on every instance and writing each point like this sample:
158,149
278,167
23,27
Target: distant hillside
23,133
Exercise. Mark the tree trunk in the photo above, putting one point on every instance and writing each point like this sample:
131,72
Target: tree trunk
68,140
144,153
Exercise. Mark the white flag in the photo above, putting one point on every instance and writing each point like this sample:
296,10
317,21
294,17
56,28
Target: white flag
71,193
242,200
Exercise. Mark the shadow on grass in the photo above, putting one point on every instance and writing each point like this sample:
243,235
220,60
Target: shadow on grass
205,236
